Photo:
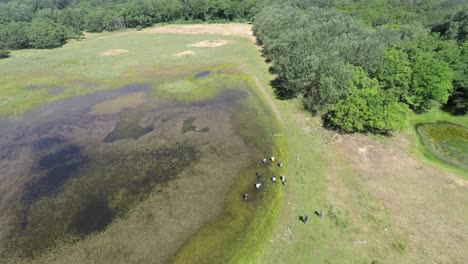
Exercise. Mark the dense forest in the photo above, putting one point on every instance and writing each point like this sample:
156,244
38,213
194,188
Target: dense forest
49,23
362,64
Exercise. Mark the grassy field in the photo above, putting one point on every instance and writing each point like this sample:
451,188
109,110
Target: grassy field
382,197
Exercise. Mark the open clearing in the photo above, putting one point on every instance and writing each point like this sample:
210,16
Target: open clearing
114,52
184,53
233,29
210,43
384,200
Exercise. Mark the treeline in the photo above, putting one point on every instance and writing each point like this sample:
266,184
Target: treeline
364,73
49,23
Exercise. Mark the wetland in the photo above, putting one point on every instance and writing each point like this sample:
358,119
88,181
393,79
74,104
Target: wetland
95,169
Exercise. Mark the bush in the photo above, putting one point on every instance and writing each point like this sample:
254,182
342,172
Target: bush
14,36
44,33
369,110
4,54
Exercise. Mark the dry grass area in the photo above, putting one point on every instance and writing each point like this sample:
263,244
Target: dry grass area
184,53
210,43
114,52
243,30
427,203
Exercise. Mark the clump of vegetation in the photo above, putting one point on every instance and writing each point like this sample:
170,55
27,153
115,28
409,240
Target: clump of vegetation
369,110
4,54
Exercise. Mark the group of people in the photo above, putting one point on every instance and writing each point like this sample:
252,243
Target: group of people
245,196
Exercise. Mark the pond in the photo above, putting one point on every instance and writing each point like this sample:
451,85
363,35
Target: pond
446,141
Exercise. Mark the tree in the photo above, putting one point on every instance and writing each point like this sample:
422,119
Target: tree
137,14
431,80
456,27
395,71
458,101
14,36
368,110
44,33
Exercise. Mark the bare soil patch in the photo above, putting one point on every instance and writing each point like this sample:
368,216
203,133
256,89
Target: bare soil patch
114,52
210,43
428,203
243,30
184,53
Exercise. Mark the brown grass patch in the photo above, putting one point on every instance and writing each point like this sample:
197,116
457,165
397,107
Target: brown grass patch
235,29
210,43
428,203
184,53
114,52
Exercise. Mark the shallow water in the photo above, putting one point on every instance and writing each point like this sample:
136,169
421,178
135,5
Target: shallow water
202,74
446,141
68,173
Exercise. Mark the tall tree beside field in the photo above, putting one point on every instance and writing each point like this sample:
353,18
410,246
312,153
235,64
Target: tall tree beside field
395,71
431,80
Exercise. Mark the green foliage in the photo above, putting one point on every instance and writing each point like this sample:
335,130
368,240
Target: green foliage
4,54
14,36
456,27
395,71
369,109
313,52
431,80
44,33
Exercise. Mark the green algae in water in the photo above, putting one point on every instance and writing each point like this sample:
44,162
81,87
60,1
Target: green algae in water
106,189
128,126
189,126
446,141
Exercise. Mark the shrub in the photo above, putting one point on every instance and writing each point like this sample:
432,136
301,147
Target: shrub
369,110
4,54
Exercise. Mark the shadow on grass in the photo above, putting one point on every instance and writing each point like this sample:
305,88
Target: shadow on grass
328,125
